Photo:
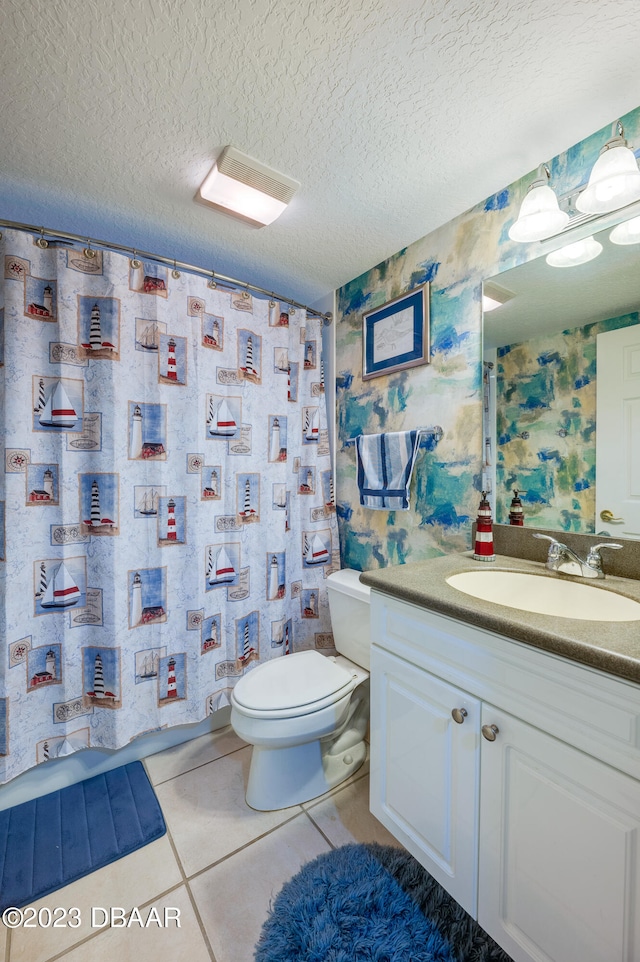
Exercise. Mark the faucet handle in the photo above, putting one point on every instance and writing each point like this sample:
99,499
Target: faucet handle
594,558
555,548
605,544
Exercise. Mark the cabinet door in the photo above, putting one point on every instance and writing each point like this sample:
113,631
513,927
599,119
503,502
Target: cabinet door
559,871
424,770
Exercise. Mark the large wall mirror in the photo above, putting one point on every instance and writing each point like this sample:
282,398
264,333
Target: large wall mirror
562,389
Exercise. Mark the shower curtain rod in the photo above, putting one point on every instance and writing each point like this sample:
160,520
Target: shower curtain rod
171,262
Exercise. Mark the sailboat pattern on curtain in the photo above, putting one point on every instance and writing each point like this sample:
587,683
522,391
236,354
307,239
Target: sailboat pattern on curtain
169,503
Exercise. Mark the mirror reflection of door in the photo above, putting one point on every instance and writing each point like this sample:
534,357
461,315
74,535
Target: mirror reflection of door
618,419
541,327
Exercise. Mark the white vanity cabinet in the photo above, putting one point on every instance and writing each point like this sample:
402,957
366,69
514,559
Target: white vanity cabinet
425,769
535,832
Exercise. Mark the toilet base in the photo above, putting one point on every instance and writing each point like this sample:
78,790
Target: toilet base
281,777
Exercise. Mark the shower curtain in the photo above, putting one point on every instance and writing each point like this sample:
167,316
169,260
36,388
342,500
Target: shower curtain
167,514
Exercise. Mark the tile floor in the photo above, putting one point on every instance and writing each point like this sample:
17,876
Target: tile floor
220,864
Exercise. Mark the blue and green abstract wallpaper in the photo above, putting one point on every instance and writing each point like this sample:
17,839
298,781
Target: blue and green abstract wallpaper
448,390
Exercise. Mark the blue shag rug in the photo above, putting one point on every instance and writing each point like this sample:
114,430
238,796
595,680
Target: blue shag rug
370,903
58,838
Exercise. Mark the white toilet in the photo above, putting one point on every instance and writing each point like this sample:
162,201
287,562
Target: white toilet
306,714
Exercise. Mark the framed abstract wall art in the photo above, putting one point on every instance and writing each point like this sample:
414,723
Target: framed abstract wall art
395,336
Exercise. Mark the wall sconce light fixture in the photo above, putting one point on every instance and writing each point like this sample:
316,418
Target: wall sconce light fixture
540,215
243,187
614,181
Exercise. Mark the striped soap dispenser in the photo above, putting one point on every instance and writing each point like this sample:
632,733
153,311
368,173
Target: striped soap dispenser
484,532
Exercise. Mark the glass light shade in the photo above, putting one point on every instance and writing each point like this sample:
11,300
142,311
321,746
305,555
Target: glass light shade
231,195
614,181
572,255
626,233
539,215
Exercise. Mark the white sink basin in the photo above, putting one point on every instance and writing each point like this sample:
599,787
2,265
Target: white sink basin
546,596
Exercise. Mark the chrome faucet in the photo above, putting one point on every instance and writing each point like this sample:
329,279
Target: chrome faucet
562,559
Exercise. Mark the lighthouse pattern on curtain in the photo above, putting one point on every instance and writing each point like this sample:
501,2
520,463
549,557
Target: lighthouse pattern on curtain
168,496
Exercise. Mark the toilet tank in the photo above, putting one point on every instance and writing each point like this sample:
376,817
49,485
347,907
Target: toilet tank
349,602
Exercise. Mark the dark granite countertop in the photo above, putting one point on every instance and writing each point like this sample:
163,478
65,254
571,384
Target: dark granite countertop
613,647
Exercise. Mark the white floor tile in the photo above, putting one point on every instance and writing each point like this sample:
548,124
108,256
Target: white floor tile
130,881
183,758
234,896
200,786
206,811
152,944
344,817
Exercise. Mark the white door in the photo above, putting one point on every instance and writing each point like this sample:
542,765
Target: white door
424,770
559,874
618,433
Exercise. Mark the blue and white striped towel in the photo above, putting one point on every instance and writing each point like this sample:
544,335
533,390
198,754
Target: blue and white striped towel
385,463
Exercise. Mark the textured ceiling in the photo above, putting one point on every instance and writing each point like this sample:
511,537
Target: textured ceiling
394,117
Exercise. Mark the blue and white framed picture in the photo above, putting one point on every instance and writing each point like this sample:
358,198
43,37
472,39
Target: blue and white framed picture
395,336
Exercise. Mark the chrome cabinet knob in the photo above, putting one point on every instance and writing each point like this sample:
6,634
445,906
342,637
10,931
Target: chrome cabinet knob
459,715
489,732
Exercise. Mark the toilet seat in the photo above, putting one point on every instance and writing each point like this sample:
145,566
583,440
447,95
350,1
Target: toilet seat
293,685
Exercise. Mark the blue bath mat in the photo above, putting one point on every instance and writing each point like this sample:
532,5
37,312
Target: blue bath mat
58,838
370,903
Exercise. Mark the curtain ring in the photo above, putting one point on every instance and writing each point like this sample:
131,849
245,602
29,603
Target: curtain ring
212,283
175,273
134,263
292,310
245,294
88,251
41,242
272,303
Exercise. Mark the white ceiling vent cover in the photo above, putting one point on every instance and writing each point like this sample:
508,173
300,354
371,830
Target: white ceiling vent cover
239,185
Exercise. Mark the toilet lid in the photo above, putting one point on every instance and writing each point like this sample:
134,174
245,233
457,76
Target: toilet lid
291,682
